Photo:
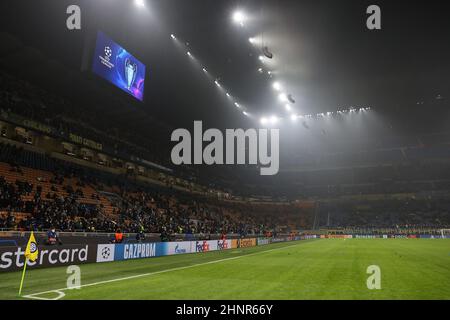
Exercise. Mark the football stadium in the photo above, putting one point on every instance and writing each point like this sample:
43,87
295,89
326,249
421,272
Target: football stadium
226,150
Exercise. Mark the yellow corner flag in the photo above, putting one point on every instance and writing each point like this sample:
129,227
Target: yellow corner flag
31,253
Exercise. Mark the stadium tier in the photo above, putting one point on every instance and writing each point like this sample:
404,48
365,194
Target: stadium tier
87,185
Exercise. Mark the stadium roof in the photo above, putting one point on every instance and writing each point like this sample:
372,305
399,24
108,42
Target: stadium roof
323,55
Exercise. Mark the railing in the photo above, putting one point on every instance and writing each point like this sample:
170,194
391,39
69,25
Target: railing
20,238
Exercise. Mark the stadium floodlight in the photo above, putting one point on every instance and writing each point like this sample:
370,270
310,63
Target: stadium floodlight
239,17
261,58
237,105
217,83
273,119
246,114
189,54
173,36
139,3
288,107
276,86
282,97
204,70
291,98
263,121
260,70
228,95
267,53
251,40
294,117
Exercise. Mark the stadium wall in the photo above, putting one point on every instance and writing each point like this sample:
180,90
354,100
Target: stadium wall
12,258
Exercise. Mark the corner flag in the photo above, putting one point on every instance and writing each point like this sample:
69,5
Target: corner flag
31,253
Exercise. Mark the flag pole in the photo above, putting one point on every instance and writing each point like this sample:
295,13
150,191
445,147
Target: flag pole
23,275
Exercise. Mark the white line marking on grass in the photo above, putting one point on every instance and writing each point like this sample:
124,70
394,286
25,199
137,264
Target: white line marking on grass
61,294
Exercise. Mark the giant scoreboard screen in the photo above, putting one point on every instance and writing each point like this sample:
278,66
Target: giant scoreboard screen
118,66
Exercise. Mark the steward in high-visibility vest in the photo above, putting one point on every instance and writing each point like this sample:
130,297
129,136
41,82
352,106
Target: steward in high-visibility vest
118,237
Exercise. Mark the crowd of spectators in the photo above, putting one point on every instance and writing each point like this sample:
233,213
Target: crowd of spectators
141,211
141,208
166,213
63,212
425,229
393,216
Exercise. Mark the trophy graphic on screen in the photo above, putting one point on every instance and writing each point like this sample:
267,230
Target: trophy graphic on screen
130,73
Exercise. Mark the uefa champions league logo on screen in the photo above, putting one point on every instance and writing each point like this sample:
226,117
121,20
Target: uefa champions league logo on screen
116,65
108,53
130,73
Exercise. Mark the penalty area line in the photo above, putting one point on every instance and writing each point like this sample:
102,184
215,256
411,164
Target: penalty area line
61,293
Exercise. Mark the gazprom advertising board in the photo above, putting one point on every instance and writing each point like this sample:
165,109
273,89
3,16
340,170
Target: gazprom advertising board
138,250
118,66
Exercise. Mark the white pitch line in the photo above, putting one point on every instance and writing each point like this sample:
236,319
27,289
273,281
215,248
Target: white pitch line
61,293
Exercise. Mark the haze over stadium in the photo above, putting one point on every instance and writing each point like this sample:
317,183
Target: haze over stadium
156,147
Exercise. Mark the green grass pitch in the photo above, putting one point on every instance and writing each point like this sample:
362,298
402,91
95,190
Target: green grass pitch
314,269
